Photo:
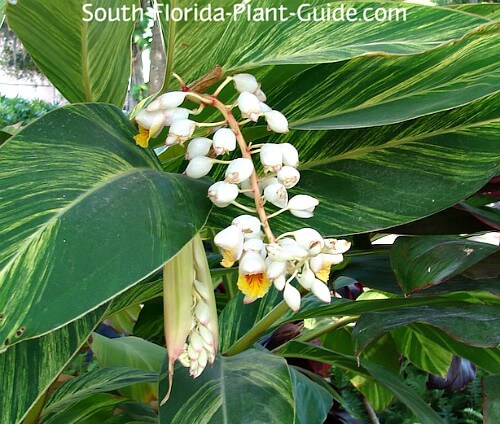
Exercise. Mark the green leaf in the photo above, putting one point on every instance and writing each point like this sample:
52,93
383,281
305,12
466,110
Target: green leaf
98,224
96,408
312,402
423,352
29,368
476,325
421,262
374,91
487,359
491,399
361,176
130,352
237,318
97,381
229,391
150,324
74,54
488,10
238,44
4,136
381,374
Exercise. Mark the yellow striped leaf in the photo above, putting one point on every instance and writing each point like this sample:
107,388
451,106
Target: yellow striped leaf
86,60
85,215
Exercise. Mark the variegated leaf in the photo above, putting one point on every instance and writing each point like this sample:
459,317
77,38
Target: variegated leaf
85,214
86,60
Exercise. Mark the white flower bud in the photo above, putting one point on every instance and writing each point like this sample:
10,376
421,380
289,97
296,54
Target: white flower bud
249,106
203,359
199,167
275,269
230,240
202,312
294,250
247,187
245,82
252,263
152,121
271,157
198,147
222,194
254,245
195,339
279,283
250,225
278,253
288,176
260,94
207,335
180,131
308,238
264,108
306,278
224,141
292,297
167,101
321,291
276,122
335,246
239,170
267,182
302,205
172,115
290,155
277,195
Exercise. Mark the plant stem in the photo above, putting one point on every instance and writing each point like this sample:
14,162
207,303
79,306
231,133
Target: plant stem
370,411
257,330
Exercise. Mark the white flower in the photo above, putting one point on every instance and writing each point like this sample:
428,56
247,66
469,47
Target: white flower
292,297
286,250
249,106
255,245
172,115
264,108
167,101
222,194
321,291
260,94
199,167
198,147
306,278
180,131
246,186
267,182
296,251
252,279
279,282
288,176
245,82
276,122
290,155
309,239
335,246
224,141
230,241
250,225
239,170
302,205
276,194
152,121
271,157
322,263
275,269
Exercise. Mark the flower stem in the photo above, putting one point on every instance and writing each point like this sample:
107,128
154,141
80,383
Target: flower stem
257,330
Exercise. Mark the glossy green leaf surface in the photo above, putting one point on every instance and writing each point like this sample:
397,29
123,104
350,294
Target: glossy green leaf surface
73,52
413,342
312,401
230,391
29,368
96,381
420,262
374,91
386,378
131,352
237,318
370,179
238,44
97,225
487,10
477,325
491,399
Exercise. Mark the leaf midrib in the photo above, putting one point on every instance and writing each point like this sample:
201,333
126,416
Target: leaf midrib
394,143
22,248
